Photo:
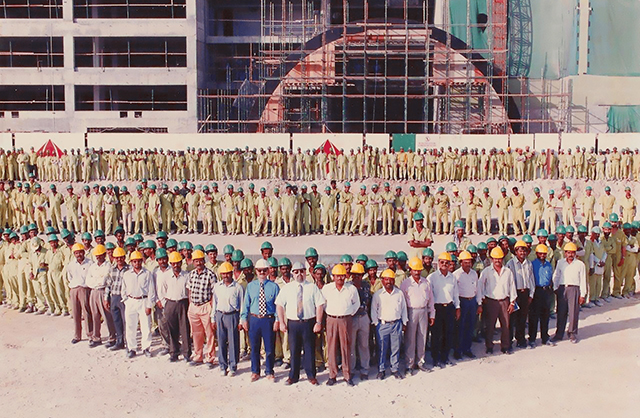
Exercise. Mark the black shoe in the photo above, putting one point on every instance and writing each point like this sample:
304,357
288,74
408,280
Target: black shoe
398,375
131,354
350,382
290,382
457,356
93,344
364,376
117,347
109,344
278,363
164,352
507,351
173,358
469,354
521,345
489,351
211,365
331,381
75,341
287,366
188,359
380,375
196,363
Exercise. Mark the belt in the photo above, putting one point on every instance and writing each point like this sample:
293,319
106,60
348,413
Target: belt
497,300
422,307
339,316
138,297
462,297
262,316
543,287
176,301
523,290
228,313
301,320
383,322
201,303
443,304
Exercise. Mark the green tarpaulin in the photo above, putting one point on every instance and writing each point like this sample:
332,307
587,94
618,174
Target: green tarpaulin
623,119
404,141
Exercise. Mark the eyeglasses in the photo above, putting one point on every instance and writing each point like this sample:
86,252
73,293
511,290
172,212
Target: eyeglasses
261,270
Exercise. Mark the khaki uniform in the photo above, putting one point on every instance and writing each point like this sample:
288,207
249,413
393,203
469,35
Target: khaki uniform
503,204
629,205
110,202
487,204
518,213
327,206
139,202
193,202
441,204
359,216
537,210
473,202
588,209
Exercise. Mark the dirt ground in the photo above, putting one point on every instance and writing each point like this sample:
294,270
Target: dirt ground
43,374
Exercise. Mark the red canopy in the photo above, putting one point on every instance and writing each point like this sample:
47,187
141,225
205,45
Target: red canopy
328,148
49,148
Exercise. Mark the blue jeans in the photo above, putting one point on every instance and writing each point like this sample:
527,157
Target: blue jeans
467,324
117,311
389,338
261,329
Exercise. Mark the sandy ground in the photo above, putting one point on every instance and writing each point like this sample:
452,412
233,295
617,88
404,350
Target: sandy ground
43,374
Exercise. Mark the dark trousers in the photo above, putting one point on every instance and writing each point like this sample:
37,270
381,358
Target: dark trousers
389,337
163,325
177,322
493,310
568,308
117,312
466,324
442,332
302,338
518,318
228,340
539,312
261,329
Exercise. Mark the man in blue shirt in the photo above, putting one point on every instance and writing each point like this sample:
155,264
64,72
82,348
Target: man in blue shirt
539,309
258,318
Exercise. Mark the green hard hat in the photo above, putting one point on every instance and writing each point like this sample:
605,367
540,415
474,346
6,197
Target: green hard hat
228,249
418,216
161,253
542,233
370,264
362,257
32,227
458,224
13,235
441,189
151,244
552,237
607,188
626,225
237,255
266,246
614,217
390,254
273,262
451,246
570,229
162,234
311,252
209,248
454,258
110,246
118,229
8,231
86,236
536,190
582,228
491,239
198,247
319,267
501,237
49,230
428,252
187,245
347,184
52,237
138,237
527,239
512,241
284,261
606,225
561,229
634,224
172,243
98,233
129,241
246,263
482,246
346,258
64,233
472,249
402,256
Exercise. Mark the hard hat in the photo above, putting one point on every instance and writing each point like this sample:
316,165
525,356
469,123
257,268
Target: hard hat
390,254
237,255
175,257
520,244
542,233
162,234
225,268
428,252
119,252
596,230
338,270
570,229
99,250
346,258
561,230
527,239
284,261
582,228
451,246
416,264
626,225
570,246
311,252
262,264
266,246
552,237
465,255
319,266
246,263
77,247
482,246
357,268
541,248
228,249
402,256
418,216
472,249
444,256
86,236
606,225
52,237
497,253
607,189
197,254
297,266
370,264
210,247
388,273
161,253
136,255
172,243
272,261
613,217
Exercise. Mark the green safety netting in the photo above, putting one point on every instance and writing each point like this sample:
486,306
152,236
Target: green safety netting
404,141
614,38
623,119
468,19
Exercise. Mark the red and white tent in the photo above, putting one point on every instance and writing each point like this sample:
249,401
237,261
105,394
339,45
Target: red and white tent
328,148
49,148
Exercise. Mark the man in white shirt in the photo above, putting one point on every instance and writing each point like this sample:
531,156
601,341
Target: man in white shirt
302,304
96,281
447,306
420,311
522,272
498,291
77,271
225,315
342,302
138,295
389,315
570,284
470,299
171,284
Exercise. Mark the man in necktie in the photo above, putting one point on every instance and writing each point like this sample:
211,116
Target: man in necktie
302,304
258,318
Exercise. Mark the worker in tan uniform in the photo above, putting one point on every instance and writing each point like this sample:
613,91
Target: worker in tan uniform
359,215
412,203
629,205
110,202
345,201
139,202
503,204
487,204
419,237
327,206
568,208
441,205
517,202
588,208
387,209
537,210
473,203
192,200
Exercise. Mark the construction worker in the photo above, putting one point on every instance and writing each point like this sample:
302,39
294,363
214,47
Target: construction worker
56,261
262,208
419,237
456,205
503,204
607,203
85,210
630,262
427,202
327,205
588,207
314,203
550,212
537,210
139,202
276,212
568,208
486,203
97,209
228,200
359,215
289,206
345,200
473,202
166,207
398,211
517,202
110,202
629,205
441,204
387,209
618,256
412,203
192,201
40,203
596,266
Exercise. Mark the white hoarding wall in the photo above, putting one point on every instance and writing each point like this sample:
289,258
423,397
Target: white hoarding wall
37,139
5,140
622,140
521,141
573,140
341,141
380,141
546,141
183,141
461,141
427,141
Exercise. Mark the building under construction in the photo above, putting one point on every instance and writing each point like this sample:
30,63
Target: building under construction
335,66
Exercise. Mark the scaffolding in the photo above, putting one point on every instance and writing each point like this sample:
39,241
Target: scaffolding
383,66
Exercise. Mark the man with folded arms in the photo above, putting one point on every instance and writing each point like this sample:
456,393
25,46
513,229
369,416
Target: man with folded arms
225,315
570,285
302,304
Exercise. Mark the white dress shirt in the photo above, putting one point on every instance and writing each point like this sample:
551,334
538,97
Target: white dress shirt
468,284
139,285
343,302
523,275
418,295
496,285
311,298
77,273
388,307
226,298
97,275
573,274
170,287
445,288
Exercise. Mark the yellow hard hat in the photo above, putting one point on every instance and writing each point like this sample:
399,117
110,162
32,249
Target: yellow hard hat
388,273
225,267
444,256
520,243
416,264
339,270
77,247
119,252
497,253
175,257
541,248
465,255
357,268
99,250
136,255
197,254
570,246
